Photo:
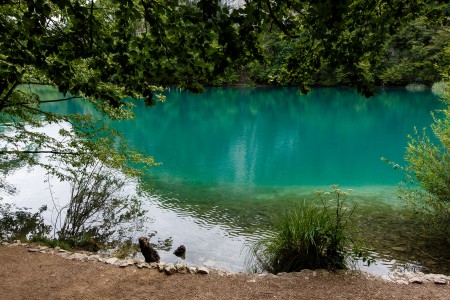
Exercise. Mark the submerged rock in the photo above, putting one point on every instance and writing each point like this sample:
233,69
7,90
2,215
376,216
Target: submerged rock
180,252
149,253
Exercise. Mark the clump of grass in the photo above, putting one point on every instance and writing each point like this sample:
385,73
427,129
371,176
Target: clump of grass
50,242
311,236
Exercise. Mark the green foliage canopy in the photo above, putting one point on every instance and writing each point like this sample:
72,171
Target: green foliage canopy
345,37
102,52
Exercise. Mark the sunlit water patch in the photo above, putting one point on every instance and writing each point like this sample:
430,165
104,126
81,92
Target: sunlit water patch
233,159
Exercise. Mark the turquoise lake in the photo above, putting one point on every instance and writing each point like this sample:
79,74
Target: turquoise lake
234,158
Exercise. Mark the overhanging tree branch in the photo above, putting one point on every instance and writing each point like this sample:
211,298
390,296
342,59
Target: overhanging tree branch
3,152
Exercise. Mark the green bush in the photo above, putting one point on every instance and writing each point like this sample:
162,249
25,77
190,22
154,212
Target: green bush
427,184
311,236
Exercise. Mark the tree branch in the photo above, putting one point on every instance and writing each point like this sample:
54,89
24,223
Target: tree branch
8,94
60,100
3,152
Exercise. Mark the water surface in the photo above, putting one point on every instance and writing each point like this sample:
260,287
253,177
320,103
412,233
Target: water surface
234,158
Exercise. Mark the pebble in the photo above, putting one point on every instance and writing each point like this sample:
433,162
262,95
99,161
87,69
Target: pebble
203,270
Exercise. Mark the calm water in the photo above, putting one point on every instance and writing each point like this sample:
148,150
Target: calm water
233,158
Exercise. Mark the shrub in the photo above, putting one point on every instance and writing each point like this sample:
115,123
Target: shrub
427,184
439,88
313,235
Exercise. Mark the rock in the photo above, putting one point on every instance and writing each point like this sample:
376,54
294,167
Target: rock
149,253
17,242
111,261
180,252
154,265
43,248
126,263
143,265
439,280
57,248
192,270
402,282
170,269
137,261
416,280
94,257
33,250
203,270
181,268
78,256
64,254
161,266
5,243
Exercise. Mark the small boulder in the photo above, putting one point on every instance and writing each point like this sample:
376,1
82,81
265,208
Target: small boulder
192,270
33,250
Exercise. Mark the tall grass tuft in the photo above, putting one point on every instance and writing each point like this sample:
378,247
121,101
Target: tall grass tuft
310,236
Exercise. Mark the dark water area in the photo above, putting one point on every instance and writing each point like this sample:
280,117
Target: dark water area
235,158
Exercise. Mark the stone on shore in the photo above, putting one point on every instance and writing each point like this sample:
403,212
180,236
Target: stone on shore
78,256
126,263
170,269
111,261
203,270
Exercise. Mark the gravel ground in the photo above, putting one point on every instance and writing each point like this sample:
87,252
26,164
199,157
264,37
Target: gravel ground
26,275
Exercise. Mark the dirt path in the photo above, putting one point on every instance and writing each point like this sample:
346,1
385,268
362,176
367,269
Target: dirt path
25,275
